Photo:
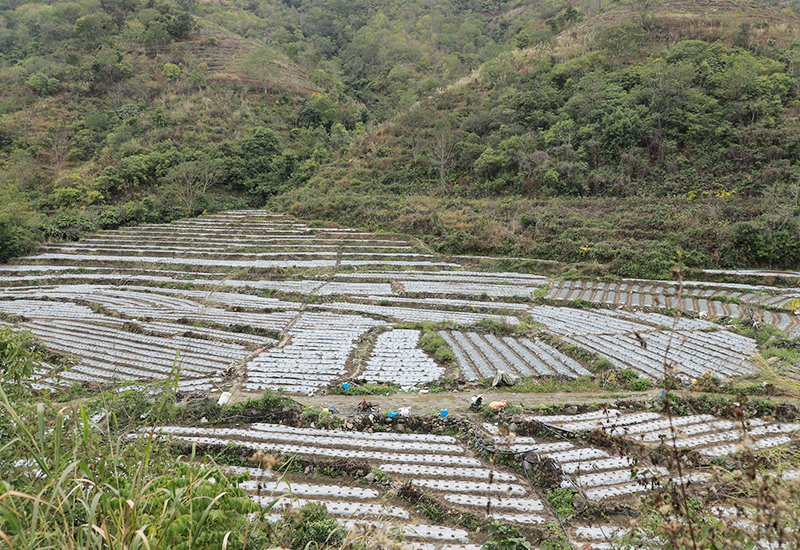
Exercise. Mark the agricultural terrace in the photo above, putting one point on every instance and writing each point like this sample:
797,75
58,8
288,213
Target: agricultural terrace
248,301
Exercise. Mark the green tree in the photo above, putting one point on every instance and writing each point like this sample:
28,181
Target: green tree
180,26
17,236
622,43
118,9
156,36
257,163
93,30
171,71
42,84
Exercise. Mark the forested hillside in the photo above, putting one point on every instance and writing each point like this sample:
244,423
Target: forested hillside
628,136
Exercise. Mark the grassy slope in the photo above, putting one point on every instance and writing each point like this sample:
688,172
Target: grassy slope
654,218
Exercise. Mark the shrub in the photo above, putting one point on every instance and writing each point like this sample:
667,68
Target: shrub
14,241
640,384
316,526
505,537
18,356
602,364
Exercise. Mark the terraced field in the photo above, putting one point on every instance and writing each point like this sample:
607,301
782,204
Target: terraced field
316,294
248,301
445,469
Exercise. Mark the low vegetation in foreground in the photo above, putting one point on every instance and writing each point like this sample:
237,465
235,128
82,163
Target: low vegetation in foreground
88,473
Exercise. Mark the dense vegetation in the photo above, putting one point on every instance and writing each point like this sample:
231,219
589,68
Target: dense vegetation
630,136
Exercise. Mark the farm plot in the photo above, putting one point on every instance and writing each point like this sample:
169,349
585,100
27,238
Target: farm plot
414,315
721,300
466,289
630,344
705,434
464,277
317,355
44,309
592,471
441,467
448,303
397,359
106,354
203,253
354,289
257,241
228,263
223,247
229,299
161,307
171,329
435,463
482,356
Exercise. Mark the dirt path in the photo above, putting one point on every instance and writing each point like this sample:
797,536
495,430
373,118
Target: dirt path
455,401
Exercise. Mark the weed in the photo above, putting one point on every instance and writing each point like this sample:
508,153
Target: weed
551,384
17,358
554,539
88,495
501,328
602,364
329,471
328,421
365,389
380,477
561,501
640,384
541,293
503,536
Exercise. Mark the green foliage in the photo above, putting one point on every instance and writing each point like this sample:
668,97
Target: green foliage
380,477
171,71
316,526
42,84
365,389
18,358
17,235
431,342
501,328
561,501
602,364
93,491
640,384
628,375
268,404
257,164
503,536
551,384
554,538
67,225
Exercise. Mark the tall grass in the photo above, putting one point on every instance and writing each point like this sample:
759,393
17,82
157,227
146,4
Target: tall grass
68,484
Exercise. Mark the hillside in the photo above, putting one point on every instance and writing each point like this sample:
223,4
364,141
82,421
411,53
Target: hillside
624,136
638,140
